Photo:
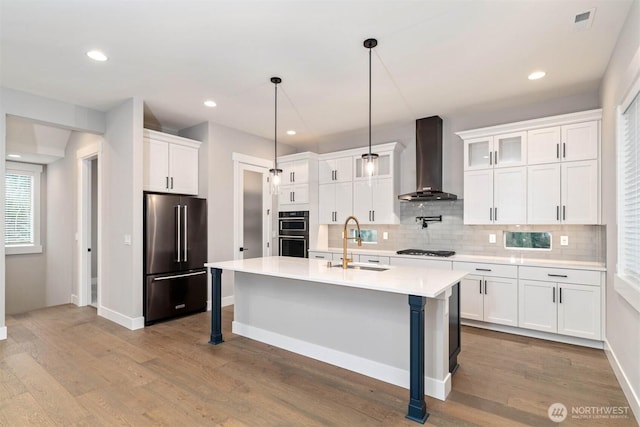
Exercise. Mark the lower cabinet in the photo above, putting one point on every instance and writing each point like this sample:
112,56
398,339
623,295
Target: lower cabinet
489,299
563,308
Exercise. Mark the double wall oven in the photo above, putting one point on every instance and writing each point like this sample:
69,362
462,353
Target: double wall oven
293,230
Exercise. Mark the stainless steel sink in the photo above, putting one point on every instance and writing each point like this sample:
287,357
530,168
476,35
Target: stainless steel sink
362,267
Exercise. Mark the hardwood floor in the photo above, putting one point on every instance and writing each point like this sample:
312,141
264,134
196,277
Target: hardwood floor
66,366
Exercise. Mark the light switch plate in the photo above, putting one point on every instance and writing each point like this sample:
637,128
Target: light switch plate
127,239
385,235
564,240
492,238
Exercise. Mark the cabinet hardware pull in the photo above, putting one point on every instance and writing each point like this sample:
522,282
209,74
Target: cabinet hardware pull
335,172
490,214
495,215
495,153
373,216
557,151
480,287
372,260
319,256
293,193
554,294
557,212
483,269
167,184
564,150
557,275
172,183
560,295
485,287
564,212
490,159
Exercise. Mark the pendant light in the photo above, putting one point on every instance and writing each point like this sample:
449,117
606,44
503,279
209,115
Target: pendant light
369,160
275,172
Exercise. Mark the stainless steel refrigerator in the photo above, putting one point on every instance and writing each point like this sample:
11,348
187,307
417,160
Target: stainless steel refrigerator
175,250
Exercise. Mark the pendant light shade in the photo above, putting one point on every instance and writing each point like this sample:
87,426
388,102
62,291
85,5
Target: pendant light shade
369,159
275,172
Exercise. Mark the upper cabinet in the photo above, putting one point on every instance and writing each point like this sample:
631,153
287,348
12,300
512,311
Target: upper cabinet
543,171
298,186
495,151
331,170
170,163
294,171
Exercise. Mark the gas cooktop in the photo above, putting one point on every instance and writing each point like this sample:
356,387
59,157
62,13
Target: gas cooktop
425,252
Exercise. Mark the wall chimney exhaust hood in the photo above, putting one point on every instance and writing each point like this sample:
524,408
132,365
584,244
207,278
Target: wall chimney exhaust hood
428,163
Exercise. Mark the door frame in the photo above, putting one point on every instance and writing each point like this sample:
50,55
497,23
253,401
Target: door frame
242,162
84,156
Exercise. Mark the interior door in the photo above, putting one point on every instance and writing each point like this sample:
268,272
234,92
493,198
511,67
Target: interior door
252,230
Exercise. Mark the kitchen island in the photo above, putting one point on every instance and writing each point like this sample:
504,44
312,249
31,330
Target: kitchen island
355,318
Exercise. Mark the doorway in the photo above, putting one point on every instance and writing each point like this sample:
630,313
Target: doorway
252,207
89,230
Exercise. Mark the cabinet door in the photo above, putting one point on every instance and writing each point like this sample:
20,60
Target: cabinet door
183,169
326,203
579,311
543,194
478,153
501,301
287,172
510,195
285,195
580,141
478,197
383,167
537,305
579,190
510,150
362,203
344,201
343,169
543,145
156,165
471,298
300,172
383,200
300,194
326,171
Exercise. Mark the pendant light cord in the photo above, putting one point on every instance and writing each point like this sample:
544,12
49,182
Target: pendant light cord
275,132
369,102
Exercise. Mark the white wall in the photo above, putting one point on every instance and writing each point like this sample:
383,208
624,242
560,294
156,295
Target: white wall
121,281
622,320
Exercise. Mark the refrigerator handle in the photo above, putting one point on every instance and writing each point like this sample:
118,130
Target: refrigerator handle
178,233
185,232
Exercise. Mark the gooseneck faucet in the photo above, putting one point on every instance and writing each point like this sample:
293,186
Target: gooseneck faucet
345,260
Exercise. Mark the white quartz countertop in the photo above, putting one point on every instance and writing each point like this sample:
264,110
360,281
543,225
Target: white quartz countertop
427,282
513,260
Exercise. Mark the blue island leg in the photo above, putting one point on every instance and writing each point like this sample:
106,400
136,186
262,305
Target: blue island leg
216,306
417,405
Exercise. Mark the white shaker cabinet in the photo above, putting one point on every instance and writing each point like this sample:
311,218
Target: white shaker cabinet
335,170
294,172
170,163
299,184
496,196
490,294
336,202
563,193
571,142
562,301
373,201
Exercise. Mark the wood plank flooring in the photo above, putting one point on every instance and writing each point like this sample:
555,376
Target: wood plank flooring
65,366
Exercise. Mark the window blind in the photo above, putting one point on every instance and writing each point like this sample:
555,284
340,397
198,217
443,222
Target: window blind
629,194
19,227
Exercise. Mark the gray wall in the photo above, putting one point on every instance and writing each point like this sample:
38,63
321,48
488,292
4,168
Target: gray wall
622,321
26,274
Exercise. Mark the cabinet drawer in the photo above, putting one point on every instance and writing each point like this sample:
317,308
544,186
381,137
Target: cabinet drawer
421,263
337,256
320,255
482,269
561,275
374,259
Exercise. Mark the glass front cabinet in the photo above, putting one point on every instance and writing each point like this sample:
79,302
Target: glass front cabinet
495,151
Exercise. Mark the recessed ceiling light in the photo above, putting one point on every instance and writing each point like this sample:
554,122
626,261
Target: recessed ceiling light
96,55
14,156
537,75
291,132
210,103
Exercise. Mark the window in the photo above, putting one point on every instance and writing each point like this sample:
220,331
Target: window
628,196
22,208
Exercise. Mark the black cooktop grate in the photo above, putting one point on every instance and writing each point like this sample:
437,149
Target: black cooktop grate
425,252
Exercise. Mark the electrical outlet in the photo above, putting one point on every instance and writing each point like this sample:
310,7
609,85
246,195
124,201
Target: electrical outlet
492,238
564,240
385,235
127,239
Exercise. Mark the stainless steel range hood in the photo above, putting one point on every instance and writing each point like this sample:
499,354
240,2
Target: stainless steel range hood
428,163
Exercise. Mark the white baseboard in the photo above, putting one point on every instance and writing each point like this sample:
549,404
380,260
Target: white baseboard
625,384
534,334
396,376
75,300
131,323
3,333
225,302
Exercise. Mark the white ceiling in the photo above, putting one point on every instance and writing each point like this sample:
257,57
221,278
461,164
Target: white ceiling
433,57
